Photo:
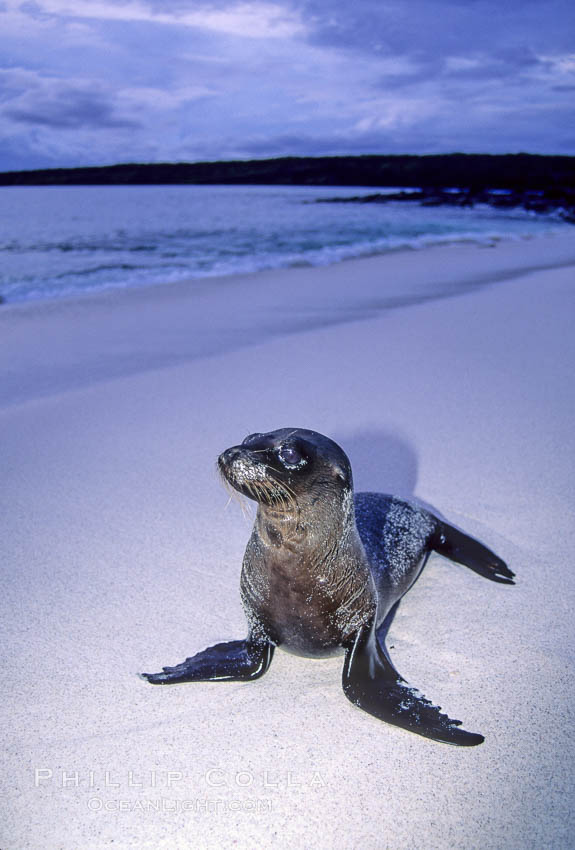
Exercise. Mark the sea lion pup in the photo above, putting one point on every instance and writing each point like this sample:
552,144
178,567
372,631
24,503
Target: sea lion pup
323,569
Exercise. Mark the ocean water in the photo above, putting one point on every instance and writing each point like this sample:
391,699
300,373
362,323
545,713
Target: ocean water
57,241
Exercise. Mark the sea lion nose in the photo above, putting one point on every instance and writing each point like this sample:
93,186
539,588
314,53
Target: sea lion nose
228,457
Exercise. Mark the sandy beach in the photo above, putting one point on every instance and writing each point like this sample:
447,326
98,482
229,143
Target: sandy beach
120,553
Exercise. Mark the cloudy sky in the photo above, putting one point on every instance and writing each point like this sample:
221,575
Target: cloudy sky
105,81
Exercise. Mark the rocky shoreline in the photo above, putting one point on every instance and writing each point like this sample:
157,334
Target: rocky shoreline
535,200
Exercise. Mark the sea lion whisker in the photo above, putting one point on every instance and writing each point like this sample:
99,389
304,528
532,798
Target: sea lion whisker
233,495
273,490
285,488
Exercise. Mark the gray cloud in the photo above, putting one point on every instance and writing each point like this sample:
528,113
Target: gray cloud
366,76
68,109
431,27
29,98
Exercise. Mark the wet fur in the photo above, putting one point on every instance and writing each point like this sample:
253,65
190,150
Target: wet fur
322,571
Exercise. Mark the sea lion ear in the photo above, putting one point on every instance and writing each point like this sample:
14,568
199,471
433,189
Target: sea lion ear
340,473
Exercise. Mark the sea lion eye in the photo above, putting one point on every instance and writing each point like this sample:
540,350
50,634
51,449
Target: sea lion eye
290,456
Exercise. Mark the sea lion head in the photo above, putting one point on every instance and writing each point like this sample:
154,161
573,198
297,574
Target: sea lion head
288,469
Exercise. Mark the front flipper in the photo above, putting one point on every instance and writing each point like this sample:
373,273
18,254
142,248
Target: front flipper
372,683
238,660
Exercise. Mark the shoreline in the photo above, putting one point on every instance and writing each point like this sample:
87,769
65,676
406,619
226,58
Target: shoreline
84,275
482,241
84,337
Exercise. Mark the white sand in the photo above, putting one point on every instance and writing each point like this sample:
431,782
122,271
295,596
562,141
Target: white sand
119,555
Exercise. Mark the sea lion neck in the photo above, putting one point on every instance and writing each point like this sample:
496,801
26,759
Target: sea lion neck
279,527
308,522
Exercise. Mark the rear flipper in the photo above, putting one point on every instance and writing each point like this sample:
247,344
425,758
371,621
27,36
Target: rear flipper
238,660
453,544
372,683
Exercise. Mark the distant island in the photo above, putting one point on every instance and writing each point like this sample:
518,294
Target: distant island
472,171
536,182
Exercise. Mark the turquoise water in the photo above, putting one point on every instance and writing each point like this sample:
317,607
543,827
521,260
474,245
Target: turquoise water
58,241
